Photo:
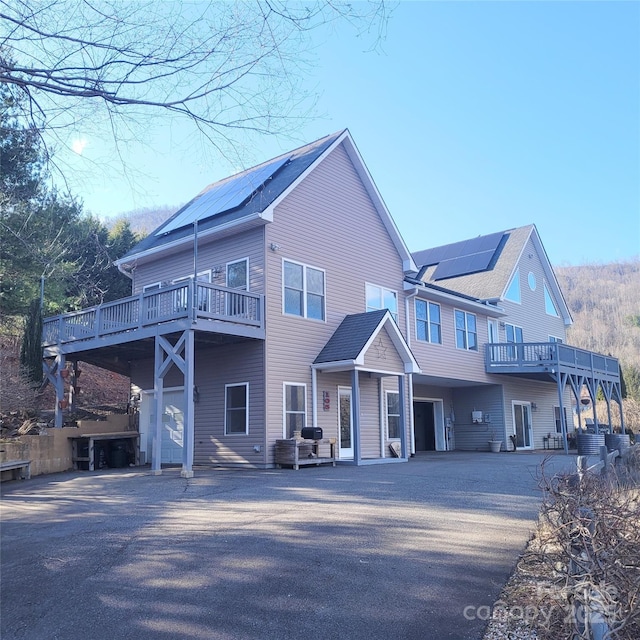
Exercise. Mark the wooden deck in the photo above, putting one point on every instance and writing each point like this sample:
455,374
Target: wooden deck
543,360
206,307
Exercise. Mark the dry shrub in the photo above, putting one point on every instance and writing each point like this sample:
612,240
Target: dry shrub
583,564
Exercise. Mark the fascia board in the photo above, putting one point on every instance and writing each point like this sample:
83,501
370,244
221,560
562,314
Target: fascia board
425,293
338,365
551,277
305,173
188,240
408,263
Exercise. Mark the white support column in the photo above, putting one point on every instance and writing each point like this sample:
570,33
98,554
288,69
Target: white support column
412,442
314,397
189,407
355,415
402,397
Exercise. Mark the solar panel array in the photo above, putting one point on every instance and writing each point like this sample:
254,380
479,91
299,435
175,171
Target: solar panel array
461,258
223,196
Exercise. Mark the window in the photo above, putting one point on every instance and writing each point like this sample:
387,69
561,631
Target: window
549,304
304,292
513,335
555,339
466,331
238,274
236,409
381,298
237,278
294,408
513,292
393,414
556,415
428,322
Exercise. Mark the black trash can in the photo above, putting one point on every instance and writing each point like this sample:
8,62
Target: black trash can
118,457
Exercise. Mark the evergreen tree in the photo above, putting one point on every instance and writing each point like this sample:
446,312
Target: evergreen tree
31,351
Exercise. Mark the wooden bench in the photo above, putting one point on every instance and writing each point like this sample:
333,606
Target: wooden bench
298,453
17,467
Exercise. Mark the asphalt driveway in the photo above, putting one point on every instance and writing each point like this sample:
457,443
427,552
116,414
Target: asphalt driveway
411,550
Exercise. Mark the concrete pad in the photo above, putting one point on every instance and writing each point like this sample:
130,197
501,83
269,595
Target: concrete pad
411,550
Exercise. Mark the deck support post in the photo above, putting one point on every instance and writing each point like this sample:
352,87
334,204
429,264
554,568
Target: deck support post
181,355
189,407
355,415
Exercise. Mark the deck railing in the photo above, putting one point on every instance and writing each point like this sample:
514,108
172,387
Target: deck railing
178,301
522,357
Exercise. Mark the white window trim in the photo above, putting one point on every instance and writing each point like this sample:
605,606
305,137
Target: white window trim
395,315
428,321
556,339
515,326
284,405
152,286
226,273
305,292
246,413
386,414
466,331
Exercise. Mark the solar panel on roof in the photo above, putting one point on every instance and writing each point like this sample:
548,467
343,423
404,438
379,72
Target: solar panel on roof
458,249
223,196
463,265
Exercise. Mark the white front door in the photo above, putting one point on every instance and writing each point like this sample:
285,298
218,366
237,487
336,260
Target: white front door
172,426
345,417
522,424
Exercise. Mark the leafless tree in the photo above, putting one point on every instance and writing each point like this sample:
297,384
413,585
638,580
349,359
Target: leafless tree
224,66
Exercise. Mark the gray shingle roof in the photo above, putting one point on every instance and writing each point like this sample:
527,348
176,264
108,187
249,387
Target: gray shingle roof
491,282
299,160
350,338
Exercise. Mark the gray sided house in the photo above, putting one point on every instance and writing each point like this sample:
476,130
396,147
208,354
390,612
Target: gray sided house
252,317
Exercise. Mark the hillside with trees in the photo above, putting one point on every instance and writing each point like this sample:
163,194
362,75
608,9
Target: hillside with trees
604,301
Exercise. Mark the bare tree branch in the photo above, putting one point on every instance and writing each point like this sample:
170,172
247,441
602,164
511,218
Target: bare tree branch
220,65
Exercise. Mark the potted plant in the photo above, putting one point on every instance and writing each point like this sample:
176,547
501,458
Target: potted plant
494,444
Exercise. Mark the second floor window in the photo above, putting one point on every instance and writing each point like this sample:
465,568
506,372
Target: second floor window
514,336
466,331
238,274
428,321
304,291
381,298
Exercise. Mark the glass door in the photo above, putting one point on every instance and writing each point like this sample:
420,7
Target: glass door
346,423
522,425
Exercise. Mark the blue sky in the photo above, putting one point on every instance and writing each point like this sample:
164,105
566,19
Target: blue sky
472,117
